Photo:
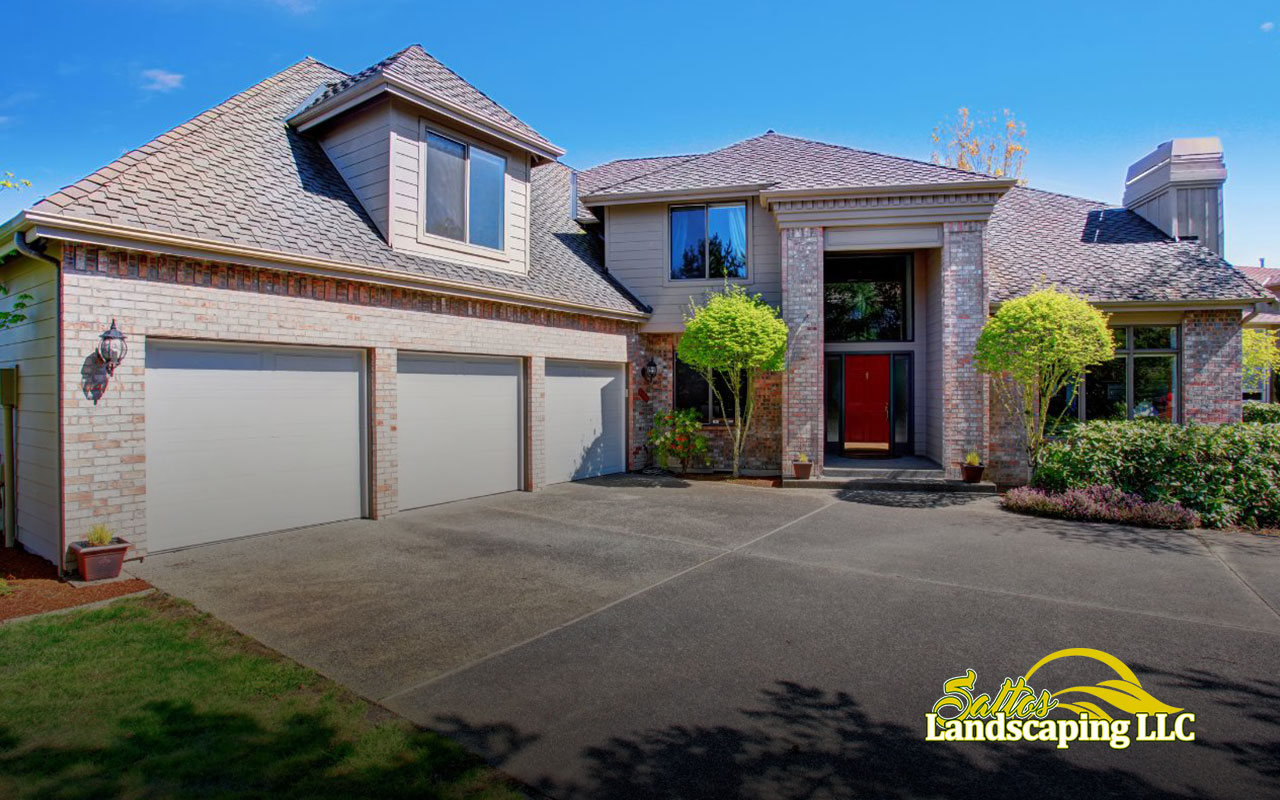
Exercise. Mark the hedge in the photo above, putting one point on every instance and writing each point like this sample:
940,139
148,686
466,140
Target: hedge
1100,504
1261,412
1228,474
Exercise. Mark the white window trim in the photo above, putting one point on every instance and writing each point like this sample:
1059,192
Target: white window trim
502,256
667,280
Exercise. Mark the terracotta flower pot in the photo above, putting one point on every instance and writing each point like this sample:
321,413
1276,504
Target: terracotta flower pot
802,469
100,563
972,473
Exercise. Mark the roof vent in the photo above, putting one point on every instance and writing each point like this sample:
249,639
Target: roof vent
1178,188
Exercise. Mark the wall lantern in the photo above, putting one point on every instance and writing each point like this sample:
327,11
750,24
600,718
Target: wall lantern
112,348
649,371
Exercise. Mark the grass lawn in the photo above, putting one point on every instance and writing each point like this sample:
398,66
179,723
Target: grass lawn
150,698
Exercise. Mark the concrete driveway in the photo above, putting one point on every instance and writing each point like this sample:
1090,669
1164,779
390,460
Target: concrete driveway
643,637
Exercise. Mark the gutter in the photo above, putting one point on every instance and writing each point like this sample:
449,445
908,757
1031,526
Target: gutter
10,511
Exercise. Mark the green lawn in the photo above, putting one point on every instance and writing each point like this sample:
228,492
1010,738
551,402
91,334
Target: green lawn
149,698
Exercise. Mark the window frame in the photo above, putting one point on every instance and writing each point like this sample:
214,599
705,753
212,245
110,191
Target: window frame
908,302
468,145
669,279
1131,353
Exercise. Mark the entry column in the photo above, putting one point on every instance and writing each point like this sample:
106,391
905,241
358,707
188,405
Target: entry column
964,312
802,388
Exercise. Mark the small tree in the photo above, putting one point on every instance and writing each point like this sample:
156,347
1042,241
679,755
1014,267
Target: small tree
1261,357
738,337
987,143
14,315
1036,346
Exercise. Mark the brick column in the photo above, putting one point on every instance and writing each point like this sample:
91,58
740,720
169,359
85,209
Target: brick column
384,394
964,311
536,428
1211,366
646,397
802,389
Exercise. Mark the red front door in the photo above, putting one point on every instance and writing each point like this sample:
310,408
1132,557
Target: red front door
866,402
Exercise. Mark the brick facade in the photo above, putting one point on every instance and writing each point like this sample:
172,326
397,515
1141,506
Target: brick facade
1211,366
167,297
802,389
964,312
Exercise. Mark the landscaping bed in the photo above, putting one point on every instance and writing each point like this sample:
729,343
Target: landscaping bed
149,698
33,586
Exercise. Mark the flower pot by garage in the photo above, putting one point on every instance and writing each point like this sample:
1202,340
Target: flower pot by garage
102,562
972,473
802,469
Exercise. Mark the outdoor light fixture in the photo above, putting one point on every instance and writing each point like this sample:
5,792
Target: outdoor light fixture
649,371
112,348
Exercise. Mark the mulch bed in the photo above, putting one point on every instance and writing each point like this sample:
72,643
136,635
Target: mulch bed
34,586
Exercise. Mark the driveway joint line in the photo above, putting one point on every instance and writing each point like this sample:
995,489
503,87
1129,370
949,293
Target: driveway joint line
607,529
1237,575
583,617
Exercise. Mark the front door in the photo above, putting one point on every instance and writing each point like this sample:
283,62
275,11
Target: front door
866,403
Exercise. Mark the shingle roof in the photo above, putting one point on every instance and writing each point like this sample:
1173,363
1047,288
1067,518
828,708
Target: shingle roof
1038,238
1264,276
237,174
417,67
786,162
596,178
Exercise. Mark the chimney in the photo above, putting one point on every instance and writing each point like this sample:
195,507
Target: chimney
1178,188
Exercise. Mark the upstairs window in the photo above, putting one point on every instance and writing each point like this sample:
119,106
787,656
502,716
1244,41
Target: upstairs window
709,241
465,189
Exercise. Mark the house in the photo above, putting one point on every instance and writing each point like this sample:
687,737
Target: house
1269,279
348,295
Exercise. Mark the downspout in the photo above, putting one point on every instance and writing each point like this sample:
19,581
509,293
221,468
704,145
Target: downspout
22,246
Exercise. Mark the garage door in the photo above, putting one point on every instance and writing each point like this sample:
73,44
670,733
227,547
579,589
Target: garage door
243,440
458,428
586,420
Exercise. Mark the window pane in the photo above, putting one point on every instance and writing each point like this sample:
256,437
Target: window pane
1064,410
866,299
727,243
1163,338
446,164
692,390
1154,387
901,399
723,385
835,389
488,181
1104,391
688,242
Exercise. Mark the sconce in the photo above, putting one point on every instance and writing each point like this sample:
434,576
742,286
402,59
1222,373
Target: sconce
649,371
112,348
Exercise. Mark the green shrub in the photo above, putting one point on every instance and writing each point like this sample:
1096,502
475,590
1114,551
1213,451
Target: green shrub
1228,474
678,435
1261,412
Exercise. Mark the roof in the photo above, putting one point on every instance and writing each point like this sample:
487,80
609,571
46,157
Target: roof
238,175
779,162
1264,276
1037,238
623,169
417,68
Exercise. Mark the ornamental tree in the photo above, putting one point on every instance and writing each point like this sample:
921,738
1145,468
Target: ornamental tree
1035,347
737,337
1261,357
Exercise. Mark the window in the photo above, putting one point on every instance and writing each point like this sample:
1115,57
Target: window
1141,382
867,298
709,241
465,188
693,391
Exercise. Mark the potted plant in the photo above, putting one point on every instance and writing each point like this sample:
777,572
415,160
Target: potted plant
100,555
972,468
802,466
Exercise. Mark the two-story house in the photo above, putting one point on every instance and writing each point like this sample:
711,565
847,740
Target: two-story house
348,295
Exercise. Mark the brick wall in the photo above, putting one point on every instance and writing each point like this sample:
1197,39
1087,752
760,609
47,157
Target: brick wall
1006,448
166,297
648,396
802,388
964,312
1211,366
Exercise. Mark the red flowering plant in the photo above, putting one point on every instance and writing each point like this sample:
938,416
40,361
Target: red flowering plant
677,434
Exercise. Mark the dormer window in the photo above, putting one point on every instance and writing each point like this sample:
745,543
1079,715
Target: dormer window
465,187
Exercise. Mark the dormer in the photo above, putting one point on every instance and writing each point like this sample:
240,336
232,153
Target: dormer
440,168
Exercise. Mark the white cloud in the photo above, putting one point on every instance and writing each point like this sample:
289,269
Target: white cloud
1268,27
161,80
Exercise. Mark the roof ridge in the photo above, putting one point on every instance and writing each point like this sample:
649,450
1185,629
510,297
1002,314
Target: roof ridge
451,71
687,159
1102,203
129,160
695,157
873,153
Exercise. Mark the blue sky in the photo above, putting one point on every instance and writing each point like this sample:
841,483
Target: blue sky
1098,85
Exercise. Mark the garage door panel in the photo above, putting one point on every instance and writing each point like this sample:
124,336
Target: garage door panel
458,428
250,440
585,419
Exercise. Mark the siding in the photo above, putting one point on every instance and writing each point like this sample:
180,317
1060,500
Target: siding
360,147
933,357
636,248
406,191
33,347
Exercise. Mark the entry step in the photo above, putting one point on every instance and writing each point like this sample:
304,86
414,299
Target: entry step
879,484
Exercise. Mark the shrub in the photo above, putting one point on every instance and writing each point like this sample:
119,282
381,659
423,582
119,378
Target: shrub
1100,504
678,435
1228,474
1261,412
99,535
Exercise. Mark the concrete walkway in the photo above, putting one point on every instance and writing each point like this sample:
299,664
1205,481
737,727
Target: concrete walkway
642,637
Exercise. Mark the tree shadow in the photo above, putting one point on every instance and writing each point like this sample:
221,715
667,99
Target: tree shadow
910,499
637,480
1117,537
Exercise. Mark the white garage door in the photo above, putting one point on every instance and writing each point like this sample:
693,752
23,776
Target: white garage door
586,420
458,428
244,440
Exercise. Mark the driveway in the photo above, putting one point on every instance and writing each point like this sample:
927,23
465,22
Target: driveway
645,637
